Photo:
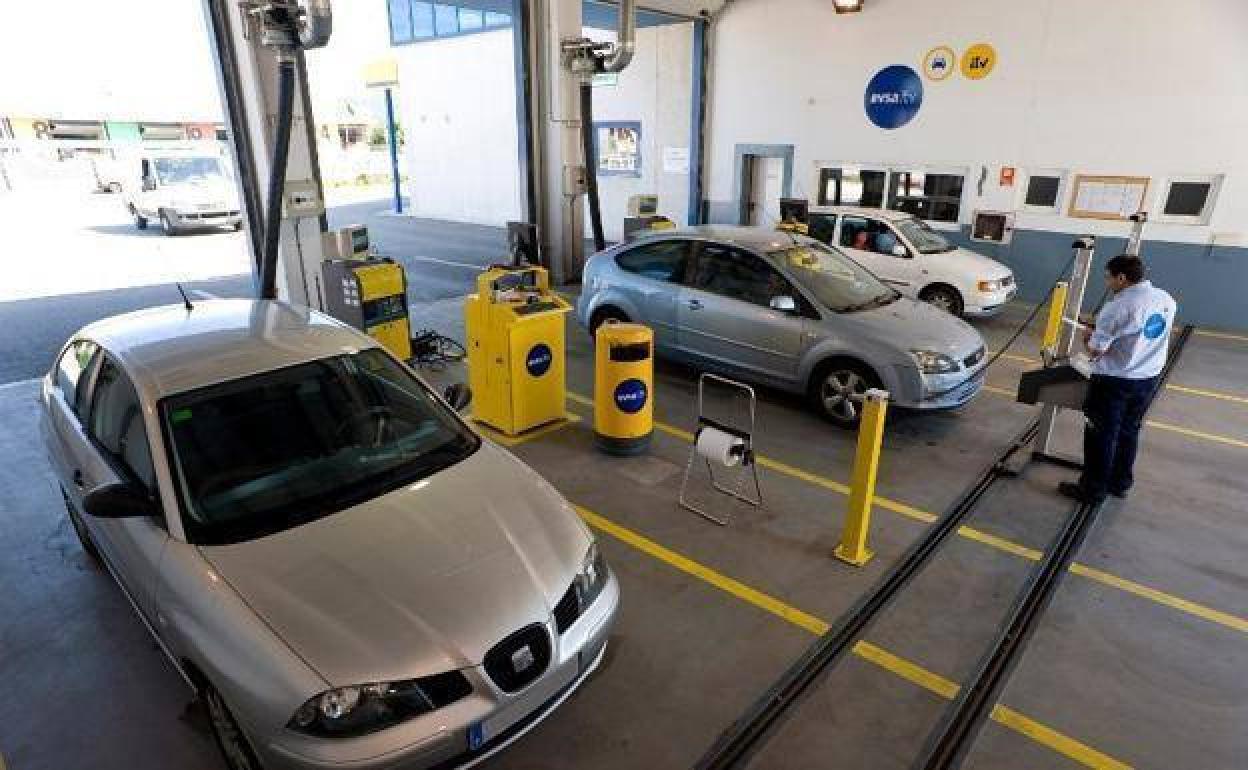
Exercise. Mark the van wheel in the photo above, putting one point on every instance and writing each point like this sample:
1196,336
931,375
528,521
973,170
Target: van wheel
834,386
166,224
601,316
80,529
944,297
140,221
231,740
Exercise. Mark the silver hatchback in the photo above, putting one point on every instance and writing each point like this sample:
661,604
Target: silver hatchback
787,311
346,573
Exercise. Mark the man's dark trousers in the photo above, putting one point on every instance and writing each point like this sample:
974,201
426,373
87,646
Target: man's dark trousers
1114,409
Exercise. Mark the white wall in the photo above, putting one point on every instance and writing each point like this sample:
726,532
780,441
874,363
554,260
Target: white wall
1113,86
457,102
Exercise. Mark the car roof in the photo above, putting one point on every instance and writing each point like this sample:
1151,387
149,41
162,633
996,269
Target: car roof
887,214
762,239
167,350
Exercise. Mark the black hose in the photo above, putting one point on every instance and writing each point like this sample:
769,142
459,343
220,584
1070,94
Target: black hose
591,164
277,179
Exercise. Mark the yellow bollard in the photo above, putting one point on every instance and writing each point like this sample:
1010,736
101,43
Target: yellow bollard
1053,328
853,548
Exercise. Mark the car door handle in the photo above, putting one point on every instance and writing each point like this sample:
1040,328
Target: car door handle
694,304
78,480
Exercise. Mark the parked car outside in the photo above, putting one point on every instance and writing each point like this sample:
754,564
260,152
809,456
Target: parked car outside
183,192
346,573
788,311
916,260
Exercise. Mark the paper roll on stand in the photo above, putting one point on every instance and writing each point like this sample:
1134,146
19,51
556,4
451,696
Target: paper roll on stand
720,446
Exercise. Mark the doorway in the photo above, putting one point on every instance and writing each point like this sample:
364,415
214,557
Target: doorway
764,175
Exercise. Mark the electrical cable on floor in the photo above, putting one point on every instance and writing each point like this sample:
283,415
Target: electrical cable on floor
435,351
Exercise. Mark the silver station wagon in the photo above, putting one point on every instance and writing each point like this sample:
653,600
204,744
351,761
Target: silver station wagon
787,311
346,573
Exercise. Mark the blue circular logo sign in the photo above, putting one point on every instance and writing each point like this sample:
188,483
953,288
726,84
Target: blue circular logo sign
1155,326
893,96
539,359
631,396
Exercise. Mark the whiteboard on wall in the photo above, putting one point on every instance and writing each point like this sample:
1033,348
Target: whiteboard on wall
1107,197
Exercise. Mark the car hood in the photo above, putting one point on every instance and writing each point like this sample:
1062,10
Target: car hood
975,266
421,580
908,324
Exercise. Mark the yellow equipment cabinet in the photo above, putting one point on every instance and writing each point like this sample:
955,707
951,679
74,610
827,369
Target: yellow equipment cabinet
371,295
623,388
515,329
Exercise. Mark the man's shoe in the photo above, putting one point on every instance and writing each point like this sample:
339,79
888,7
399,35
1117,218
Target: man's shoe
1075,492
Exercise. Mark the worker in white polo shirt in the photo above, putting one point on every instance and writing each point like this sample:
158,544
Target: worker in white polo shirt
1127,347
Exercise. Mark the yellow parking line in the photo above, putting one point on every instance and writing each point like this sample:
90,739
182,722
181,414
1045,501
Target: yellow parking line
895,664
1222,335
499,437
1227,440
992,541
1202,392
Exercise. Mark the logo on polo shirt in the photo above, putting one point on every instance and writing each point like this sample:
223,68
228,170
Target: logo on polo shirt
1155,326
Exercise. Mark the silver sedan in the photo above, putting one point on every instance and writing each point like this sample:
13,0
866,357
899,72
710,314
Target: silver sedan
787,311
342,569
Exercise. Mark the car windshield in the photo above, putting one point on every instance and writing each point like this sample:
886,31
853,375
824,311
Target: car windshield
272,451
838,282
187,170
923,237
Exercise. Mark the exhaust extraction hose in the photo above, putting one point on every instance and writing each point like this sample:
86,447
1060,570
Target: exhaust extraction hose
591,164
277,178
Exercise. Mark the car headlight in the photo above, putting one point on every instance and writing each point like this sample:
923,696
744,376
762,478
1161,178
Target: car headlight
346,712
931,362
591,577
990,286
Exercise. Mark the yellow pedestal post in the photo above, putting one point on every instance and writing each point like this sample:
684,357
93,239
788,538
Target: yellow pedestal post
853,547
1053,327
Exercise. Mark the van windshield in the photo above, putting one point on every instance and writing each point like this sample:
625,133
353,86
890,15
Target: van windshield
838,282
270,452
187,170
923,237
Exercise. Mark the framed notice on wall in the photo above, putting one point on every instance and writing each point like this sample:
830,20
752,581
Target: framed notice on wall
1107,197
619,148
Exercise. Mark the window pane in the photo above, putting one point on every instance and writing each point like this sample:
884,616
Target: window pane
829,186
867,235
1187,199
1042,190
470,19
822,227
445,19
662,261
117,423
736,274
70,368
927,196
422,20
400,22
861,187
493,19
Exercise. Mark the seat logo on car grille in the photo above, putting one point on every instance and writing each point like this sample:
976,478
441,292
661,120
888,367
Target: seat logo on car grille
522,659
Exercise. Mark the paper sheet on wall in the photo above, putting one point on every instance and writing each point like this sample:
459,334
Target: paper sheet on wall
1109,198
676,160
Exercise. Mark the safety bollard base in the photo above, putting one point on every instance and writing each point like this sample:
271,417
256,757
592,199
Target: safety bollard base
623,447
856,559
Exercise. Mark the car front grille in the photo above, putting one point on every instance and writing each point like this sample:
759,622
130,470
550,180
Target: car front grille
567,610
974,358
519,659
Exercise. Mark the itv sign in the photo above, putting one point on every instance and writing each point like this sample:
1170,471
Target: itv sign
894,96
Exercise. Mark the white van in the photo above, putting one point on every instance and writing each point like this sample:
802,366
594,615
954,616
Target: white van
182,192
907,254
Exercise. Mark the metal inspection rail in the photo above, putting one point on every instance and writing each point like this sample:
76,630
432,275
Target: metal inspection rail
961,722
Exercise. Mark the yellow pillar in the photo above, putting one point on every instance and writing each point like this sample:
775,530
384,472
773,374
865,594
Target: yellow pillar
853,547
1057,306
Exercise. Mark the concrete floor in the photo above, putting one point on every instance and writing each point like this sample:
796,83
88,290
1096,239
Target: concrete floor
1140,659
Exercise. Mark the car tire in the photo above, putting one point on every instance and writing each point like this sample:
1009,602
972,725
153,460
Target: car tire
80,529
230,739
832,386
944,297
140,221
601,316
166,224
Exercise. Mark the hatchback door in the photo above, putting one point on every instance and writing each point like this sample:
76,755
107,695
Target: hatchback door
117,449
726,318
656,270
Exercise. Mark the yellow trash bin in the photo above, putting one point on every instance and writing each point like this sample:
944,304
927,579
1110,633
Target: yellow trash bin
623,388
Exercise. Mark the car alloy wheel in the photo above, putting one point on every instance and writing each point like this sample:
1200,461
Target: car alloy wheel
230,738
836,394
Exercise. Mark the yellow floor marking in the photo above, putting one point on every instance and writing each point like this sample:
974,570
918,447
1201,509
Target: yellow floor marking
1227,440
1062,744
1207,394
1222,335
1152,594
895,664
499,437
992,541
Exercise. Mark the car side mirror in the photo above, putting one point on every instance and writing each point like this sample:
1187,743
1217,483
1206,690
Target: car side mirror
459,396
784,304
121,500
900,251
